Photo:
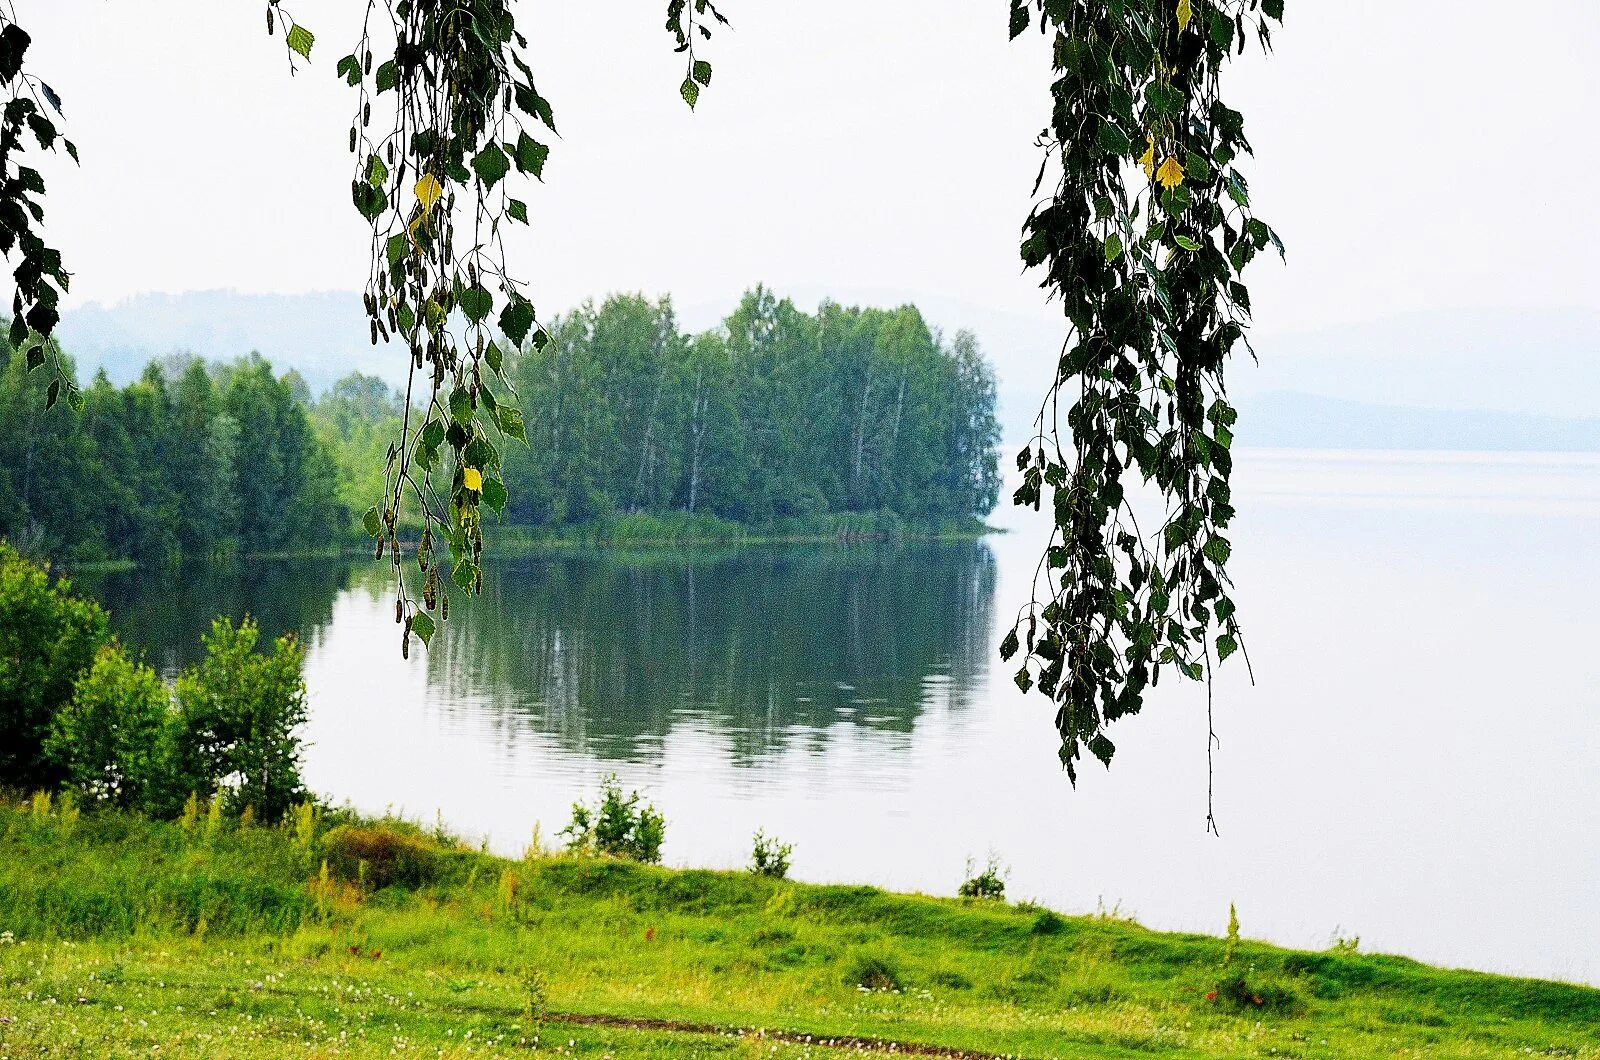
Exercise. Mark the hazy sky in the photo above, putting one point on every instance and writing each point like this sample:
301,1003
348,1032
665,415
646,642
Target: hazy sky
1415,155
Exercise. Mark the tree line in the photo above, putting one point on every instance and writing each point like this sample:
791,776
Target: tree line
192,459
777,417
779,414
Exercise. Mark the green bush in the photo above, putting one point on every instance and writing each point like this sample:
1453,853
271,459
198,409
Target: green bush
768,857
622,826
48,637
112,738
238,710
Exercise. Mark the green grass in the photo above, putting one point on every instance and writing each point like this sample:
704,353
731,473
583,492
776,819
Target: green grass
128,935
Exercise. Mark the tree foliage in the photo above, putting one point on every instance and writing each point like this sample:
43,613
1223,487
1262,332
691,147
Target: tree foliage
48,638
189,460
778,415
1142,241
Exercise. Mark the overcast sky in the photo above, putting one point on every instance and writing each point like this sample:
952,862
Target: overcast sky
1414,154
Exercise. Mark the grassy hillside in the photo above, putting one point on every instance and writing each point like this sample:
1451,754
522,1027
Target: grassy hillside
341,938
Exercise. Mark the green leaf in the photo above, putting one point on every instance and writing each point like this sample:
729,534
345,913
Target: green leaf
1227,644
1163,98
490,164
509,419
701,71
1114,139
494,494
1218,550
533,104
395,248
301,40
1019,18
1113,247
422,626
1273,9
1186,243
372,522
476,302
516,318
377,172
349,68
461,405
531,155
388,76
517,210
493,357
432,435
690,92
1102,749
464,573
1009,646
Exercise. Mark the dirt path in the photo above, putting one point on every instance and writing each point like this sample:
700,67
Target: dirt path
846,1041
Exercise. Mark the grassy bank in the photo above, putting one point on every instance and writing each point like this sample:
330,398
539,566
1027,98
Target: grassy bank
224,941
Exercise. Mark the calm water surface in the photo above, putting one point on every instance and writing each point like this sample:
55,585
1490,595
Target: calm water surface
1416,763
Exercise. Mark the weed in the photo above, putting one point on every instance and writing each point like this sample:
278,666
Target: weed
1349,945
988,885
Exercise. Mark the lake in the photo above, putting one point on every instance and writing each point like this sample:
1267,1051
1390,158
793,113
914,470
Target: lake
1416,763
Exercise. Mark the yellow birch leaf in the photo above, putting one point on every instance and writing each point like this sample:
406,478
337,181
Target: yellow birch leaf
1148,159
472,478
1170,174
429,191
1185,13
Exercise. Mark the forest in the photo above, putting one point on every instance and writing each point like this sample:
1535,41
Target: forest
777,417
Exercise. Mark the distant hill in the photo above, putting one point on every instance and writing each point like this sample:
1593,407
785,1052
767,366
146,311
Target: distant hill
323,335
1493,379
1309,421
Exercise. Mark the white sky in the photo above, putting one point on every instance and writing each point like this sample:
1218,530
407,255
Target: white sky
1415,155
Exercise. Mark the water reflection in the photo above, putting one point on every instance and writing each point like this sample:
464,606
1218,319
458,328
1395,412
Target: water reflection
608,653
164,612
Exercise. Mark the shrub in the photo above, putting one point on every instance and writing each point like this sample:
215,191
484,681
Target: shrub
48,637
110,738
871,971
622,826
769,857
380,856
238,710
1048,923
989,885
